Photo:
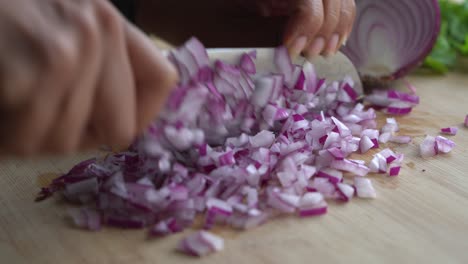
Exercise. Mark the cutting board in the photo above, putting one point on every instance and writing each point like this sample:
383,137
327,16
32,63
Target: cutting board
419,217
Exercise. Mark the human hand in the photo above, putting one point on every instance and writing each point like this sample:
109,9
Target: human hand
315,26
75,74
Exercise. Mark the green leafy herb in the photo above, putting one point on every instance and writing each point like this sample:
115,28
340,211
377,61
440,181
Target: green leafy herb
453,38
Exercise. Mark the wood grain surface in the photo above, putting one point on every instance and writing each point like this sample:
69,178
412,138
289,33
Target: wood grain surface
419,217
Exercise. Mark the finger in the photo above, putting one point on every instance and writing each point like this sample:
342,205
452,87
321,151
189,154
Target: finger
70,125
346,21
352,7
114,111
303,25
31,122
154,76
327,39
21,46
17,79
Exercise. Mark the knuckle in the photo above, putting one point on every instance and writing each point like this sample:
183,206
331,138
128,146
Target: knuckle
123,136
62,55
87,26
110,20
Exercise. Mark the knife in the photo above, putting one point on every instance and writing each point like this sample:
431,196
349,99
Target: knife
332,68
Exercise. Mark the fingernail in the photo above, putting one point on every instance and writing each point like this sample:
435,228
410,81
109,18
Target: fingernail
298,46
343,42
331,48
316,47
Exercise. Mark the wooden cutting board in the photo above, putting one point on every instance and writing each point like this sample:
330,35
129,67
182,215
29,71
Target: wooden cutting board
419,217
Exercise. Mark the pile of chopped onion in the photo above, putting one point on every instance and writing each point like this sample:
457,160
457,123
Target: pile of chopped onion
238,147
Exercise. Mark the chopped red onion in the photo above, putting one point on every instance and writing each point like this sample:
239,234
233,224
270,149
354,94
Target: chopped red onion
400,139
391,38
428,147
239,146
449,130
385,137
86,218
364,188
166,227
201,243
386,161
432,146
312,204
350,166
334,176
365,144
345,192
391,126
443,144
394,171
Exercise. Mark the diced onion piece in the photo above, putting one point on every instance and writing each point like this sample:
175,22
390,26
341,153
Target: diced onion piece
449,130
312,204
428,147
364,188
345,191
334,176
201,243
394,171
383,46
349,166
443,144
365,144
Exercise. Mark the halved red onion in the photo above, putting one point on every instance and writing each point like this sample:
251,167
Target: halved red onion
449,130
390,38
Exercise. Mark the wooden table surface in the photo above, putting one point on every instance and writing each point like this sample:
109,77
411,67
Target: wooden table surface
419,217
